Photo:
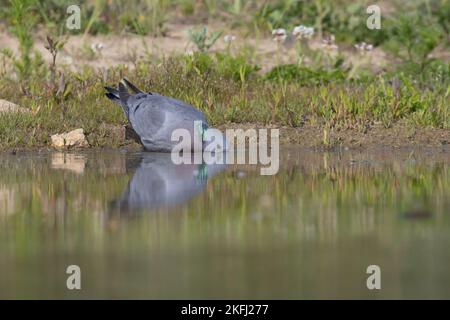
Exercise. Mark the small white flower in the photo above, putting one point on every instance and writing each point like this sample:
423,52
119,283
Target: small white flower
303,32
329,43
229,38
363,47
279,35
97,47
334,47
298,30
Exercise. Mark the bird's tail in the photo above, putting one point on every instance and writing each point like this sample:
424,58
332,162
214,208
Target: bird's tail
131,86
113,94
119,96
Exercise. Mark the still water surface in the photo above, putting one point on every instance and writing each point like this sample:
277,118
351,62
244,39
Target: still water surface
140,227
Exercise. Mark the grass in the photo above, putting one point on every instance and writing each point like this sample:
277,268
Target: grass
223,96
341,17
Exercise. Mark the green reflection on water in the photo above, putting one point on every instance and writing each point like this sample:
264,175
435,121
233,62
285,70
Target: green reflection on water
308,232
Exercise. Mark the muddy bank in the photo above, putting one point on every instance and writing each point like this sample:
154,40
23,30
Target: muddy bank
308,136
396,136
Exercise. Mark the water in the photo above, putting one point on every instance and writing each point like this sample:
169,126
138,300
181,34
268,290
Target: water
140,227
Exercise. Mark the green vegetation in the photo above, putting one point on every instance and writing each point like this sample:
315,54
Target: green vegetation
341,17
202,39
322,88
22,22
228,91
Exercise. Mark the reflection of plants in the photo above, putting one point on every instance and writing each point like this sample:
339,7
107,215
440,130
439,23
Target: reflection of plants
202,39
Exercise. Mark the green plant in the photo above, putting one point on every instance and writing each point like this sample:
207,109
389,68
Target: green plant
211,7
53,46
187,7
229,67
441,10
142,26
235,7
234,67
23,21
416,40
344,18
305,76
202,39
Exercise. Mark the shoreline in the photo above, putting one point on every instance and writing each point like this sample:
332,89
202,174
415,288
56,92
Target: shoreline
307,137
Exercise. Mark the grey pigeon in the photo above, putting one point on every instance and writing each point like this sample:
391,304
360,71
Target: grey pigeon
154,117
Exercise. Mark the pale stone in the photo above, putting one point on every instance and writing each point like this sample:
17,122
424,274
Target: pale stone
7,106
57,141
75,138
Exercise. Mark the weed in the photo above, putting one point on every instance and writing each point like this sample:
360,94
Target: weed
202,39
53,46
23,21
416,40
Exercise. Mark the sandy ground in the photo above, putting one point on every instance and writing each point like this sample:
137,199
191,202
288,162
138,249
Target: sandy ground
128,48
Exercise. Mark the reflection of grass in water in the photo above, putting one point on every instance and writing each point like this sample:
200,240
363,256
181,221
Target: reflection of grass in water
202,174
60,217
295,194
58,198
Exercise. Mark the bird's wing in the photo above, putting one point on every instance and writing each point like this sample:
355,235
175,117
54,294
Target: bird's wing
153,113
181,108
147,119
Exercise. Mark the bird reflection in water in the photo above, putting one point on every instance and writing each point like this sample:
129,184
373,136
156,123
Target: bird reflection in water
159,183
